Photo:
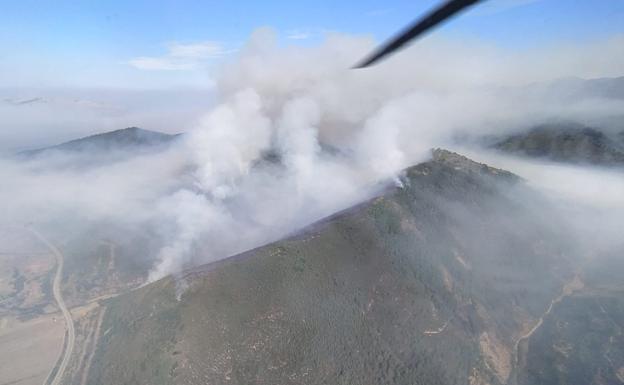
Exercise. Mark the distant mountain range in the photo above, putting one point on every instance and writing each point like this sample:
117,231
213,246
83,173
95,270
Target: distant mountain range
608,88
561,142
564,142
567,142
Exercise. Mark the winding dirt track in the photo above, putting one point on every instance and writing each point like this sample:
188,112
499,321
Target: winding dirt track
58,296
575,284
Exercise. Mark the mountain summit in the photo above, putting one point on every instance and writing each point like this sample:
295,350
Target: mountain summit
432,282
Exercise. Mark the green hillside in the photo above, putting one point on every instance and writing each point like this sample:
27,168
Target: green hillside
433,282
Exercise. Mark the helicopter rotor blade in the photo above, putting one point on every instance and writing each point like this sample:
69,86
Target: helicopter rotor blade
435,17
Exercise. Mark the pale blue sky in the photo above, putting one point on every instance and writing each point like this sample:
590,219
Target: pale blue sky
155,43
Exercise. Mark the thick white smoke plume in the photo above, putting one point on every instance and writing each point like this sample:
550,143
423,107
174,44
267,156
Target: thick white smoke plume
296,135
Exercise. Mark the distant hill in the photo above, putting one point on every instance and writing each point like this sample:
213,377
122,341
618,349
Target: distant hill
118,140
570,143
573,88
598,141
610,88
100,149
433,282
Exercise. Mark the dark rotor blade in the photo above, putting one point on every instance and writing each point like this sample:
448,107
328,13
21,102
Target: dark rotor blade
421,26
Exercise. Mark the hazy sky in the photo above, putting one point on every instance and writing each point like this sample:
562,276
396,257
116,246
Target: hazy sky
155,44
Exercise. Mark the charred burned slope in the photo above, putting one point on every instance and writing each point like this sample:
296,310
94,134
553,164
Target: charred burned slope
434,282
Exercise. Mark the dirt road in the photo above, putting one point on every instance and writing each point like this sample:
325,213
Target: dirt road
58,296
575,284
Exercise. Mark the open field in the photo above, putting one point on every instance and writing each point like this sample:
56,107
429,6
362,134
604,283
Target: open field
29,349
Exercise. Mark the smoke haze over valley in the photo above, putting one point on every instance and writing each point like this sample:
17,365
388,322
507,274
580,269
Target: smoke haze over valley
294,136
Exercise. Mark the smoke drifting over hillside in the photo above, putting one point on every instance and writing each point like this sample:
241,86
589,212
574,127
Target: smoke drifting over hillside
296,135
